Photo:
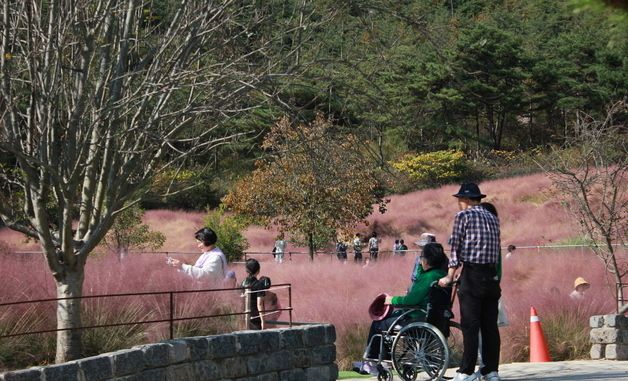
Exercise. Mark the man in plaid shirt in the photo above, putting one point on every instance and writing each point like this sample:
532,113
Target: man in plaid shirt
475,244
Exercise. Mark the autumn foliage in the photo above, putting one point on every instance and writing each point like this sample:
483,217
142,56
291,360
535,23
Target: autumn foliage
312,184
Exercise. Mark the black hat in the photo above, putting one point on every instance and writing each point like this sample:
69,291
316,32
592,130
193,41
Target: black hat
469,190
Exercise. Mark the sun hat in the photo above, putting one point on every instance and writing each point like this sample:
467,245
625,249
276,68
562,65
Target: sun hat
378,310
425,238
469,190
580,281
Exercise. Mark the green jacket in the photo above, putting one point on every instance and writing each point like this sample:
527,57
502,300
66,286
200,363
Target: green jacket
419,291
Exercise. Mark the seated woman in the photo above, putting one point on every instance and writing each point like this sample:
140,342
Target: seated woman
433,264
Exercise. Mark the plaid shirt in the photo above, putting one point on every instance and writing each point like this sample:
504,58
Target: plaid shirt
475,237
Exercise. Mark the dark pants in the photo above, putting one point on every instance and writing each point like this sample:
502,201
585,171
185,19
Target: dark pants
479,294
374,252
357,256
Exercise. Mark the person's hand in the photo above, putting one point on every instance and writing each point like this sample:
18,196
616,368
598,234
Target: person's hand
388,300
445,281
175,263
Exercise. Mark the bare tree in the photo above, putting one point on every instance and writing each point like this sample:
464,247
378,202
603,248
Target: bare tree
97,96
591,175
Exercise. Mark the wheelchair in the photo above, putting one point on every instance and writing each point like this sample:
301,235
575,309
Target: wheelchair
420,350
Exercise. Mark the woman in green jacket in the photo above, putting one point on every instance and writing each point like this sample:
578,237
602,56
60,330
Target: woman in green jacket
433,267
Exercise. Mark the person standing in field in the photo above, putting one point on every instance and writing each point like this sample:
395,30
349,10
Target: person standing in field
211,265
373,247
280,248
255,295
357,248
475,245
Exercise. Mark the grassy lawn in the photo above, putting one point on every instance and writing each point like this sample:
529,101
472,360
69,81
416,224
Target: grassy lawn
345,374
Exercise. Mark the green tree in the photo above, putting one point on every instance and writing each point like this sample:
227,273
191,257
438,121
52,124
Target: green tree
313,183
129,233
229,231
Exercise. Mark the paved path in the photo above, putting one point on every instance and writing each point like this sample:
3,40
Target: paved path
585,370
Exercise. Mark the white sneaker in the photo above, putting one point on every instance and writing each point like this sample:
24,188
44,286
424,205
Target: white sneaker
493,376
466,377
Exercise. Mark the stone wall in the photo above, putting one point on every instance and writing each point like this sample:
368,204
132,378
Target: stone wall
305,353
609,337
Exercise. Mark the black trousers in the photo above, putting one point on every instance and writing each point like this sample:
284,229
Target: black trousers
479,294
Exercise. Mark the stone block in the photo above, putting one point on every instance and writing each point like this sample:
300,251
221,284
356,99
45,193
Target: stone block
178,351
180,372
323,355
320,373
314,336
221,346
160,374
198,348
297,374
330,334
206,370
258,364
596,321
97,368
301,358
616,351
232,367
127,362
155,355
616,321
291,338
597,351
247,342
604,335
270,341
285,359
62,372
31,374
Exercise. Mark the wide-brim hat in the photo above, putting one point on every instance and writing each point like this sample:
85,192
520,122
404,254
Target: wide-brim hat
469,190
580,281
425,238
378,310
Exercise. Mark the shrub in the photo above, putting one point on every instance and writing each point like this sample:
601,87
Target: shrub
432,168
229,231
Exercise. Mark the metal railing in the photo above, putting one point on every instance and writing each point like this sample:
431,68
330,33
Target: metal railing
171,302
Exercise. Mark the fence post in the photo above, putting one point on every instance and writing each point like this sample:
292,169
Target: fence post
171,315
290,305
247,309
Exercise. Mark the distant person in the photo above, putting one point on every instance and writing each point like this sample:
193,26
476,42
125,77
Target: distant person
255,290
579,287
373,246
357,248
475,245
511,251
230,279
341,251
395,249
280,248
211,265
402,248
423,240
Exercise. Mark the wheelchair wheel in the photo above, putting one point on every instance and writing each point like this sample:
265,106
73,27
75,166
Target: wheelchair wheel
420,347
385,375
454,343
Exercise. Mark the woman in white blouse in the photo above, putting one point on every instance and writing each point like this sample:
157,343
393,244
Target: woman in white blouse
211,265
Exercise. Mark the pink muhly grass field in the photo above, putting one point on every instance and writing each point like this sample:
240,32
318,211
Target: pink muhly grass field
329,291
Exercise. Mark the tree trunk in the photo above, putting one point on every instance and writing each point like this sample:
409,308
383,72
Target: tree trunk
310,241
69,315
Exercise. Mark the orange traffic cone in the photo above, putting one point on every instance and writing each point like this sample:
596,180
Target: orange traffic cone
538,345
